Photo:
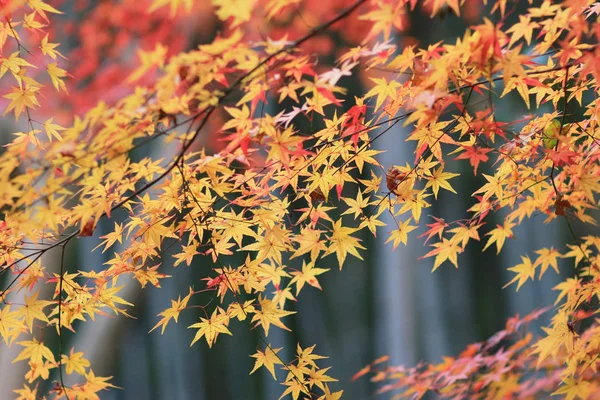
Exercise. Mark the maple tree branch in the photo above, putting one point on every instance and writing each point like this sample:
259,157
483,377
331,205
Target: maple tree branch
60,336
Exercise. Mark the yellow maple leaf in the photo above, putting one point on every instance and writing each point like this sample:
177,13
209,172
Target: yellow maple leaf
444,250
400,235
270,313
111,238
14,63
439,179
21,98
94,384
317,377
307,275
524,271
48,49
575,389
295,387
35,352
498,235
342,243
239,10
355,206
268,359
547,258
558,336
26,393
211,328
309,240
172,312
328,395
56,75
236,310
41,8
33,310
8,323
383,89
306,356
386,16
75,362
52,130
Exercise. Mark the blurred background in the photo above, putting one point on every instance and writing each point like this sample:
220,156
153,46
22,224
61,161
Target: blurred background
388,304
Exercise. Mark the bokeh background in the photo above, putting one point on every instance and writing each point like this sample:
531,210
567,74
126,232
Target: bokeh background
388,304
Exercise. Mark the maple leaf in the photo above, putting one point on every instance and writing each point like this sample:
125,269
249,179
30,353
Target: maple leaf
94,384
567,288
107,296
35,352
267,359
463,233
384,17
284,145
26,393
365,156
383,89
187,255
494,187
294,387
33,309
49,49
52,130
307,275
342,243
522,29
558,336
436,228
75,362
268,314
309,240
41,8
400,235
439,179
211,328
574,389
172,312
318,378
8,323
499,234
306,356
56,74
21,98
238,10
14,63
546,258
356,205
444,250
524,271
239,311
111,238
270,245
475,155
592,9
328,395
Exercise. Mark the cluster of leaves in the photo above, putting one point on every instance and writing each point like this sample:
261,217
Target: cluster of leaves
274,193
490,369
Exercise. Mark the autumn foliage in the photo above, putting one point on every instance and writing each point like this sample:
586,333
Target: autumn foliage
246,177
